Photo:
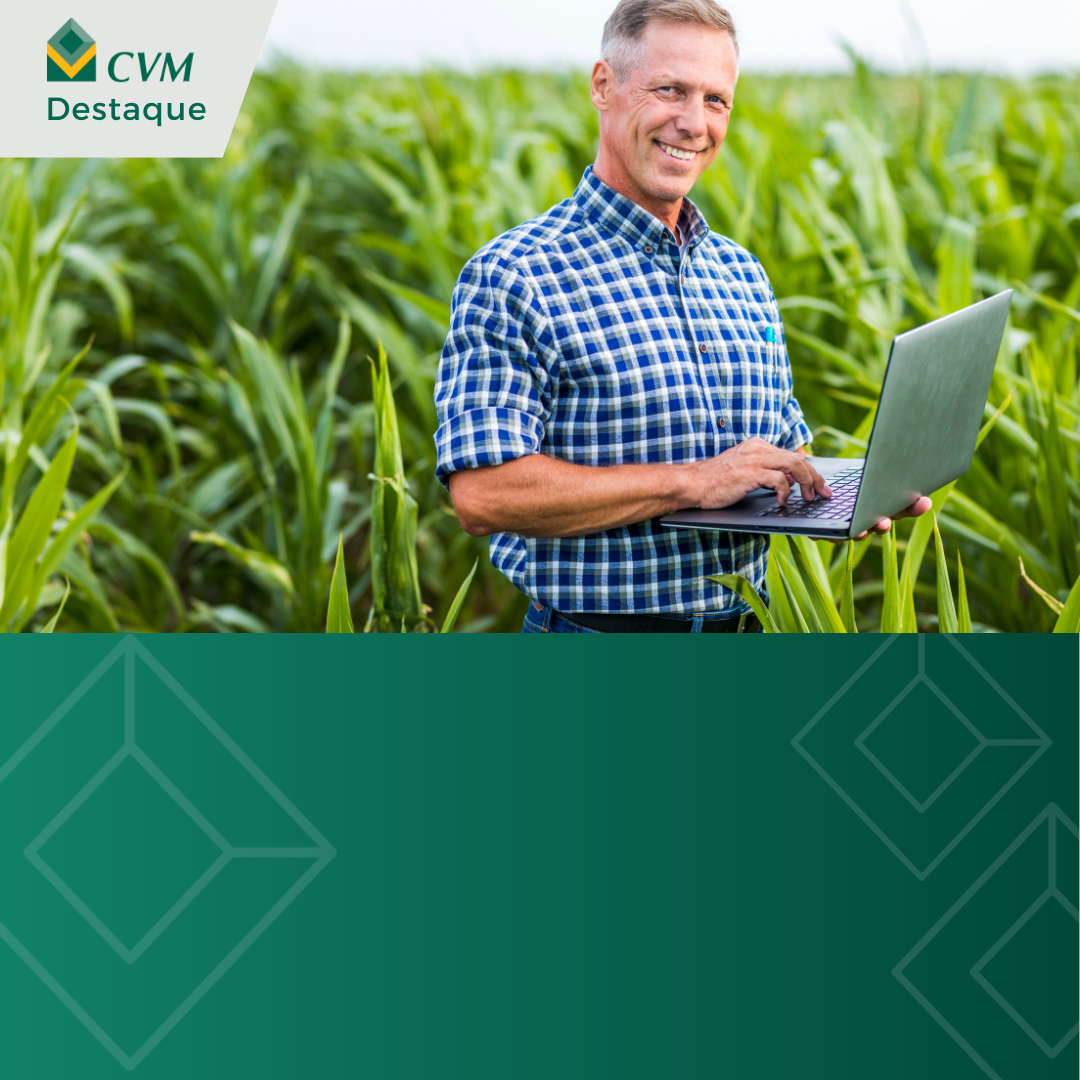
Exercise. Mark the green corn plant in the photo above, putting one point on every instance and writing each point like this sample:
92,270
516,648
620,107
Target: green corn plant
289,447
32,549
40,216
395,578
339,617
802,600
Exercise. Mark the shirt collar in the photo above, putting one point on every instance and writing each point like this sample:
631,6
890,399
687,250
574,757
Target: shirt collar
617,214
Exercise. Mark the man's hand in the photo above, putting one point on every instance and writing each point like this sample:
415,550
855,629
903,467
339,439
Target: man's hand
920,506
914,510
754,464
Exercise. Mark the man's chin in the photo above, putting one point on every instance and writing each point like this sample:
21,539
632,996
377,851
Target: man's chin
669,188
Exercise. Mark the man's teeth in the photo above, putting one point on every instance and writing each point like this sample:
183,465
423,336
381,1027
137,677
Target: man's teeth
682,155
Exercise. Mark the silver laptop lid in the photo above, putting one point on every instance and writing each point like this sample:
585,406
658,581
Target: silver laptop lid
931,408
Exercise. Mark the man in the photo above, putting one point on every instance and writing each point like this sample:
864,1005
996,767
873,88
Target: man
613,361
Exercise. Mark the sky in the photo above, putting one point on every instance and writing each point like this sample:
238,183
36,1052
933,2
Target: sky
992,35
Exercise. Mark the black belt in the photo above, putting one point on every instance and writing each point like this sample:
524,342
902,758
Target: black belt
658,624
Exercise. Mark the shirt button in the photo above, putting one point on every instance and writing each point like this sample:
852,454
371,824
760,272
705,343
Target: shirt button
703,347
648,249
720,423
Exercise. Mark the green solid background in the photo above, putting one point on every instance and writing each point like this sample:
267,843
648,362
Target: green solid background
598,859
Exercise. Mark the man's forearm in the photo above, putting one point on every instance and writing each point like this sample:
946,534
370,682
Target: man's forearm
542,496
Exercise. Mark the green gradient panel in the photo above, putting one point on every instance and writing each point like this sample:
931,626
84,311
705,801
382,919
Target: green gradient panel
525,857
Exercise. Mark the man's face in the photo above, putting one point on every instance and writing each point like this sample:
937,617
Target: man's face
661,127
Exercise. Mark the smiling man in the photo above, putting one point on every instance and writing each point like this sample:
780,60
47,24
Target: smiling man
613,360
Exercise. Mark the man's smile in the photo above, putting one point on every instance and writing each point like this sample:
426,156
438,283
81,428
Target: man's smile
676,152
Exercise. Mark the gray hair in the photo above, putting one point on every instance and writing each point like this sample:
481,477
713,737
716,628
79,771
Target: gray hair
621,45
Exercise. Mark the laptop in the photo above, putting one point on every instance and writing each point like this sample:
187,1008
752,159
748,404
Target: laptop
928,418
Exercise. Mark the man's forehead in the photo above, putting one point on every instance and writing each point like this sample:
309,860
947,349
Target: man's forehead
679,52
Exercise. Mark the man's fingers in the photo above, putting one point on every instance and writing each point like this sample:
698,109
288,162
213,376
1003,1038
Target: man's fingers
778,481
916,509
810,480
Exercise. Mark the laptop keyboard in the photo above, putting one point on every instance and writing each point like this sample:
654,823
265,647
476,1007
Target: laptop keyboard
845,490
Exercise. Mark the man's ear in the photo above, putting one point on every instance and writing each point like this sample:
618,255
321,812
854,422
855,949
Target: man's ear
603,83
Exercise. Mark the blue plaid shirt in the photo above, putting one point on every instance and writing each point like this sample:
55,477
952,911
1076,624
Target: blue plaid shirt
585,334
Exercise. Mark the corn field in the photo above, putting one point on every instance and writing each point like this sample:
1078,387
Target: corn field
216,378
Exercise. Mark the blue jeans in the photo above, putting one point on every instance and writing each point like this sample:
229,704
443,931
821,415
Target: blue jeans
541,619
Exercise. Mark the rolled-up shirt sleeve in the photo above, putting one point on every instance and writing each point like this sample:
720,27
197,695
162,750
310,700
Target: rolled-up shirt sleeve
491,392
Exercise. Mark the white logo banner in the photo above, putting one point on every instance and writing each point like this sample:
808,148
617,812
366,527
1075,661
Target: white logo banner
121,78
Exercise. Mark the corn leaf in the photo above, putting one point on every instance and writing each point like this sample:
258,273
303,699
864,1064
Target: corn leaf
956,264
338,615
963,616
1052,602
795,603
78,569
63,542
38,427
946,611
33,530
890,607
847,599
738,584
814,575
796,589
50,626
5,534
264,569
455,607
779,605
1069,619
143,553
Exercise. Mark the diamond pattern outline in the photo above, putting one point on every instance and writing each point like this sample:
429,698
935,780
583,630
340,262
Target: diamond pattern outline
322,851
1052,892
981,742
130,750
1052,814
1041,743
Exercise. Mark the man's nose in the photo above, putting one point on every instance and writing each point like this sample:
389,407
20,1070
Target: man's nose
691,119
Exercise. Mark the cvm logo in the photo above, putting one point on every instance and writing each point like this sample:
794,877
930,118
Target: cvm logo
71,54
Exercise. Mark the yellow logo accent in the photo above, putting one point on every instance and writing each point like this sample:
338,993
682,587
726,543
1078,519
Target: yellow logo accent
71,70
